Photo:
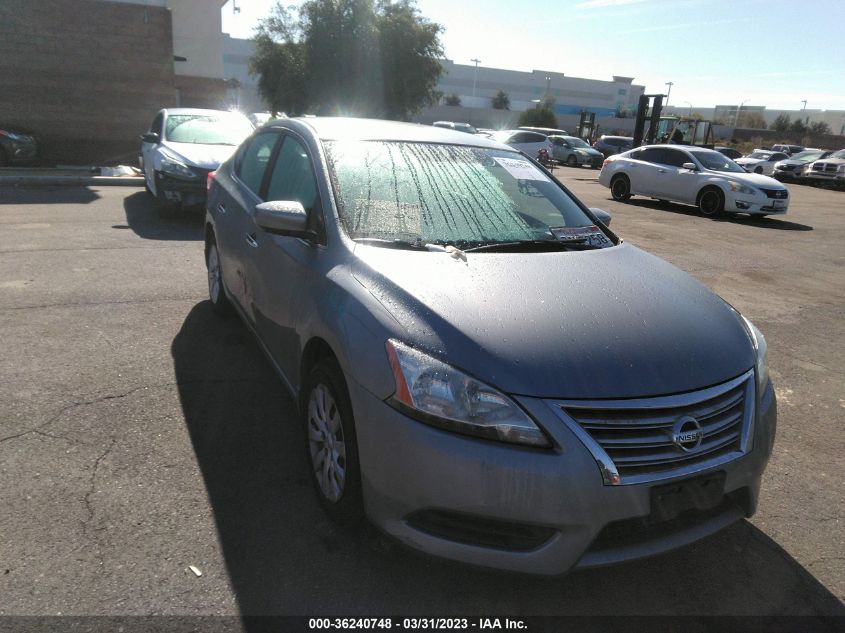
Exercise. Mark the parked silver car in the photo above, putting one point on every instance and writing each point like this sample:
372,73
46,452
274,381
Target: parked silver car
482,368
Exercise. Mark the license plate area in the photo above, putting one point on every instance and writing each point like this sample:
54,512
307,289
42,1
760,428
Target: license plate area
699,493
779,203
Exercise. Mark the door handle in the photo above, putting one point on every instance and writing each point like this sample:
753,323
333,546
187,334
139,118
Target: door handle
221,208
250,240
662,171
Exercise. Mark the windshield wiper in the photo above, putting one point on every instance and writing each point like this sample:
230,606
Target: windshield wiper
579,244
398,244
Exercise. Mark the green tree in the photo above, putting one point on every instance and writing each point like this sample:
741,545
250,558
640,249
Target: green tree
541,116
452,100
359,57
818,127
781,123
501,101
279,62
798,127
410,60
751,120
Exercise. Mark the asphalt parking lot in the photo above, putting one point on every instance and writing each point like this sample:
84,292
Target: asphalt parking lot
141,434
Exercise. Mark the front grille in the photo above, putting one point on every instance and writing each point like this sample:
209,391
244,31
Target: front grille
775,193
824,167
785,167
632,440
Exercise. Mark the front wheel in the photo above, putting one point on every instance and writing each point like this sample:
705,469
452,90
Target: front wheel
620,188
711,202
572,161
216,293
758,170
332,443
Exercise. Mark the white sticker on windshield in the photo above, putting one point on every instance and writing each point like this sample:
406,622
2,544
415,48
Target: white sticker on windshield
521,169
591,235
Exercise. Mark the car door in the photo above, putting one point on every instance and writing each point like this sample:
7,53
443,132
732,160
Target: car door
148,150
673,181
643,171
234,209
286,269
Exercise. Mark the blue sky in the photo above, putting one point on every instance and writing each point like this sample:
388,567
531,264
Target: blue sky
764,52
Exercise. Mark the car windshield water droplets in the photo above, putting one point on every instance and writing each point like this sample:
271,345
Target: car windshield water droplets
445,194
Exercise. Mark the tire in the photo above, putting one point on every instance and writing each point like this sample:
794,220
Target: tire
711,202
620,188
216,292
331,443
3,160
572,160
758,170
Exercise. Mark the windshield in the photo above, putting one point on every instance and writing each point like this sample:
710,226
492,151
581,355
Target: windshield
761,155
806,157
576,142
716,161
839,154
207,129
446,194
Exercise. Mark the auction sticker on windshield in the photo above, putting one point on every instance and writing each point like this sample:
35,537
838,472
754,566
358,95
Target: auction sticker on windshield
521,169
592,235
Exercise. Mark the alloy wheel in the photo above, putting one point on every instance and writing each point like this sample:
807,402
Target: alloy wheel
326,443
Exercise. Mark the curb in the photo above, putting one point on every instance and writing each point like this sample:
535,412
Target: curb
84,181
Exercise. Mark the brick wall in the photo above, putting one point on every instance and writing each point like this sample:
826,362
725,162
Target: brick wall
85,76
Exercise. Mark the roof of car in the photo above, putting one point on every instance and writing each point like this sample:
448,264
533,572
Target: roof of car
197,111
351,129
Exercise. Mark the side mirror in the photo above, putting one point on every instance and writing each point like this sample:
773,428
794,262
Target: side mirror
690,166
149,137
282,217
602,215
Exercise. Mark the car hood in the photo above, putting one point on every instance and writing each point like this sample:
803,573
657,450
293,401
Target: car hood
833,161
757,180
199,155
750,161
611,323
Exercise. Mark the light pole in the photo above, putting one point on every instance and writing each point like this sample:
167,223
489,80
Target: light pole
736,118
475,74
689,114
548,85
668,93
802,110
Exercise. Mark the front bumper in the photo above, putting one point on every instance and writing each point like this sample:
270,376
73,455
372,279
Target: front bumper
556,496
755,204
180,190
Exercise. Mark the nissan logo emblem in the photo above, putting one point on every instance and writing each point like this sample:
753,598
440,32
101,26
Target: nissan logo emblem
687,434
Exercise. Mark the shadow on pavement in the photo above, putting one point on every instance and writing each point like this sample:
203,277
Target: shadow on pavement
767,222
143,219
47,194
284,557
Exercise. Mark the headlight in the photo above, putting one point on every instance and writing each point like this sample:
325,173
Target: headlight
761,368
438,394
841,169
175,168
739,187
